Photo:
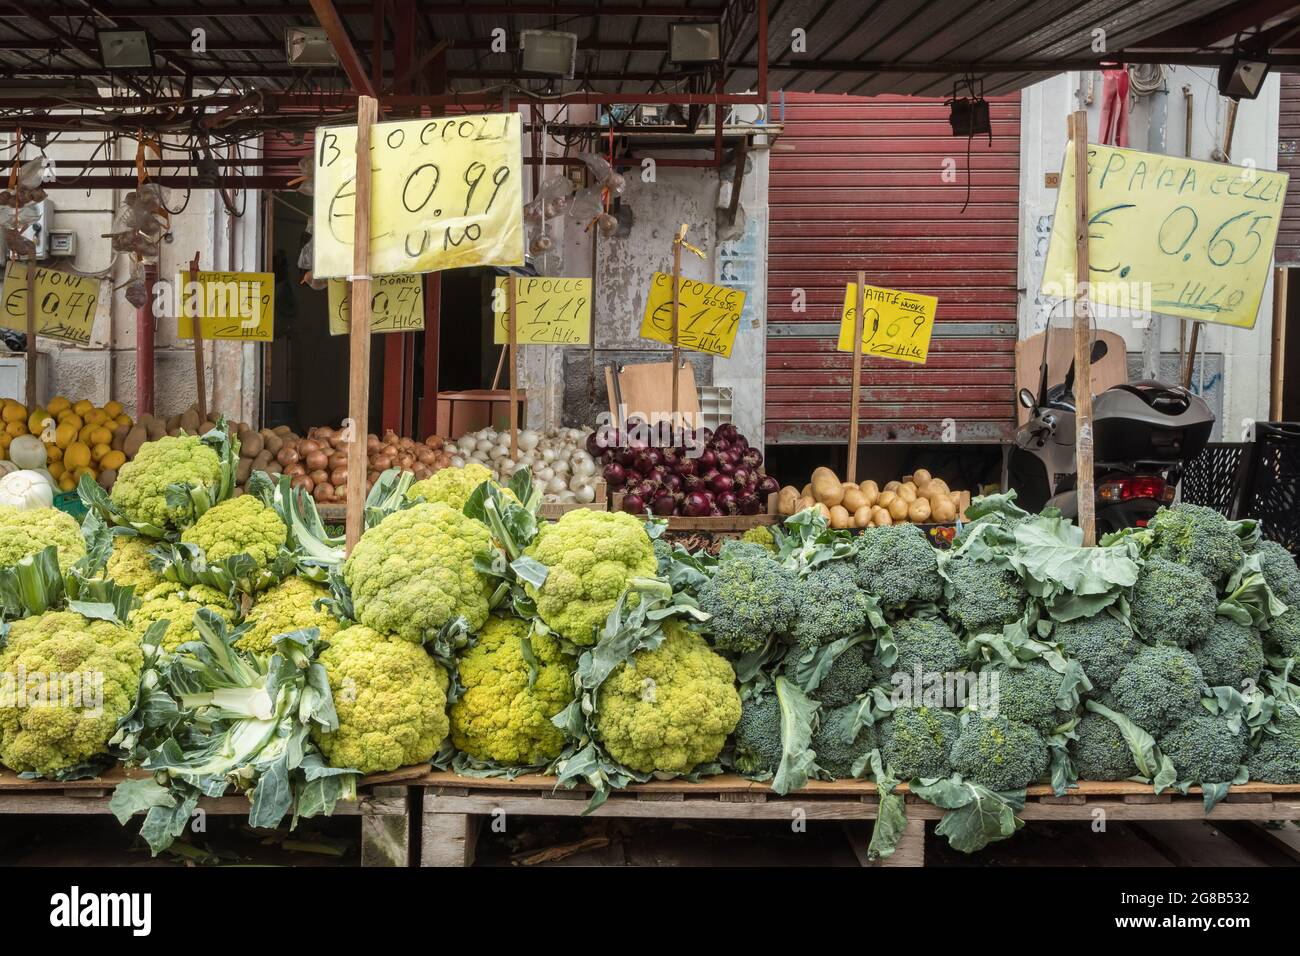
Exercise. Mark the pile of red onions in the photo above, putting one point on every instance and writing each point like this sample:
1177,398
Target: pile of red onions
696,473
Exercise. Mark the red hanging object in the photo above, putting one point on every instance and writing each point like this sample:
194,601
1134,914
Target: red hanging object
1114,107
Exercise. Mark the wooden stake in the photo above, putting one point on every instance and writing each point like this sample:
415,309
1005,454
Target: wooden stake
31,333
196,327
1276,381
1082,337
677,283
359,329
1191,355
513,336
856,389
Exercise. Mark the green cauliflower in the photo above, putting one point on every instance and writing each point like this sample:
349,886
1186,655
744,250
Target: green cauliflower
414,572
391,699
286,607
1283,634
751,598
983,597
736,550
177,605
1199,538
44,729
1172,604
453,486
758,735
829,605
1205,749
762,535
26,532
1158,687
141,486
500,716
669,709
1000,754
129,564
839,742
1027,695
1102,644
1275,756
591,557
1230,654
897,563
1100,751
918,741
240,525
1280,571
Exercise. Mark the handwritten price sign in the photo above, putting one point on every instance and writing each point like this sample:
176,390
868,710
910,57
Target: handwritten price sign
1169,235
445,194
228,305
708,316
396,304
65,303
548,311
895,325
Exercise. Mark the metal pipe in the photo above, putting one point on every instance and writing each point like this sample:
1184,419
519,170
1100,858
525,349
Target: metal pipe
144,353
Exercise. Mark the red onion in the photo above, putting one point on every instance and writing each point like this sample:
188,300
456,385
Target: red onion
727,431
614,474
643,463
726,500
673,481
687,466
752,457
696,505
716,512
663,504
720,445
707,459
750,505
741,477
767,485
633,504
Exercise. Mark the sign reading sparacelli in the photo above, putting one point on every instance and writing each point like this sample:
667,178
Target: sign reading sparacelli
65,303
396,304
895,324
708,316
549,310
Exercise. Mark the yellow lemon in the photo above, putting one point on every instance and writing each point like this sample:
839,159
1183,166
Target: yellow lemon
76,455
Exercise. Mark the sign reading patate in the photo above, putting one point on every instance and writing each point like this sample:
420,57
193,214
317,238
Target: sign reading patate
1169,235
396,304
445,194
65,303
708,316
228,305
548,311
895,324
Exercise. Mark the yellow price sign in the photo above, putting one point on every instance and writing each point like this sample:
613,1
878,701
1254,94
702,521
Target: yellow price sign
548,311
708,316
445,194
1168,235
895,324
65,303
228,305
396,304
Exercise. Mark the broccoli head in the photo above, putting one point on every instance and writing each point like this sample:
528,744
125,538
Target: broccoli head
917,742
1275,756
1280,571
391,699
1158,687
983,597
897,564
829,605
1027,695
288,606
1283,634
414,572
762,535
1172,604
30,531
927,643
1204,748
1230,654
240,525
129,565
1000,754
1102,644
850,675
177,605
737,549
140,491
592,556
505,712
1198,538
1100,751
758,735
839,741
452,486
670,708
751,598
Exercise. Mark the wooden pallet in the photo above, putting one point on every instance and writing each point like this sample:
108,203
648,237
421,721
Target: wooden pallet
453,807
381,806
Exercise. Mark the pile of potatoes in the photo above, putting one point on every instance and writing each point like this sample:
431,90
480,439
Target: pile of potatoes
919,498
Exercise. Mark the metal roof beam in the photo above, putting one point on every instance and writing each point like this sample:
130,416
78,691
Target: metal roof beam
1207,31
329,19
659,11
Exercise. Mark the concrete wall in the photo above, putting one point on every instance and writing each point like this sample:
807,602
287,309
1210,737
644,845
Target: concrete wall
1232,371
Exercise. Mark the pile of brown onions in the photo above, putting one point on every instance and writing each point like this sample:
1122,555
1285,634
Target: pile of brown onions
319,462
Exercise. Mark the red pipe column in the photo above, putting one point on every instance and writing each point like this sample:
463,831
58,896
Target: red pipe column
144,321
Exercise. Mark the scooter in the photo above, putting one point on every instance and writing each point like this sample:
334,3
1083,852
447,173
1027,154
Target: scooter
1143,435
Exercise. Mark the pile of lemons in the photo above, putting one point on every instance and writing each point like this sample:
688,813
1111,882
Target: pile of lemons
79,438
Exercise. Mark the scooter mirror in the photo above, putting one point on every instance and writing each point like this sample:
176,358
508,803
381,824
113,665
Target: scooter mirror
1027,398
1099,350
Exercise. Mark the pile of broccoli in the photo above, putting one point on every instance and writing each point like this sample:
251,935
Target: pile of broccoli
840,741
897,564
829,605
1275,757
1205,748
1027,695
1198,538
1100,751
1102,644
751,598
849,676
1172,603
917,742
1230,654
1280,571
1158,687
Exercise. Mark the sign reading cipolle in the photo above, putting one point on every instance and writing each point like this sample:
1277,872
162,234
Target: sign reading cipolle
548,311
708,316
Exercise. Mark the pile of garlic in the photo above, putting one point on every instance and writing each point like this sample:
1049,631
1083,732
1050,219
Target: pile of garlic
562,467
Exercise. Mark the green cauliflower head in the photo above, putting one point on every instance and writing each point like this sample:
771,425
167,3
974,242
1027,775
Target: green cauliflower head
452,486
499,716
591,556
414,572
669,709
240,525
391,699
288,606
129,565
97,668
141,486
26,532
177,605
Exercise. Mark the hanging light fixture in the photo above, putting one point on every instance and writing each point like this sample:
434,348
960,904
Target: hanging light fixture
125,49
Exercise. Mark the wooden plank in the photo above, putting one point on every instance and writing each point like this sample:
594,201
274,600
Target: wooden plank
385,838
1276,845
447,839
617,806
910,850
1087,519
196,327
61,804
1195,843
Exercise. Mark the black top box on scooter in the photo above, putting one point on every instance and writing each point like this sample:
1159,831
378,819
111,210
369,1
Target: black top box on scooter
1149,422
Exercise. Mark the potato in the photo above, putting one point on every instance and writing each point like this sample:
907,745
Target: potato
939,485
282,430
862,517
243,470
273,468
886,498
898,509
826,487
106,479
943,511
273,444
921,475
840,517
893,485
189,421
849,484
806,491
263,459
907,492
918,512
206,427
880,517
136,437
853,499
786,499
906,479
824,511
870,491
807,501
157,428
119,437
251,444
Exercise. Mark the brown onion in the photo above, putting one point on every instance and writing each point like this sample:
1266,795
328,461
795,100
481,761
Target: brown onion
405,444
307,446
318,476
372,443
391,450
434,441
316,460
323,492
371,478
422,472
426,456
381,462
339,476
286,456
338,460
295,469
405,461
302,481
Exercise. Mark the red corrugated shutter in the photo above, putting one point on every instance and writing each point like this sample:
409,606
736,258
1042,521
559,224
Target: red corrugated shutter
1288,161
864,188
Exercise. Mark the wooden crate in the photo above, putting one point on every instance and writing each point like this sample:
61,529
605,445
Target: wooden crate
554,510
381,806
454,807
728,524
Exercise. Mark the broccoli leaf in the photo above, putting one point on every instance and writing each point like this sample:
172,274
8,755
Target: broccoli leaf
891,809
985,818
797,759
1154,766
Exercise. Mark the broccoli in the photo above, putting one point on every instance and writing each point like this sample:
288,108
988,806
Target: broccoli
1172,604
829,605
737,549
983,597
1230,654
1198,538
1100,751
1028,695
916,742
897,564
1205,748
849,676
927,643
1283,634
1102,644
1000,754
751,598
1275,757
758,735
1280,571
839,741
1158,687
